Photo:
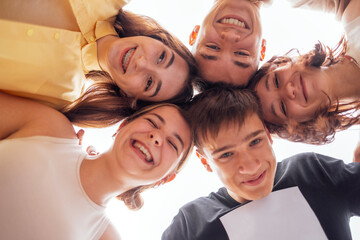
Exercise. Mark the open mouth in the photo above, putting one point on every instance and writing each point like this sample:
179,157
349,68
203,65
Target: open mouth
234,21
144,152
303,88
126,58
255,181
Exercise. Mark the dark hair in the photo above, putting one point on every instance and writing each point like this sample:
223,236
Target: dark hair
132,198
218,106
326,122
104,103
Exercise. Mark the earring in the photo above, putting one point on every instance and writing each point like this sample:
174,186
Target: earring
194,34
263,50
206,165
170,178
203,161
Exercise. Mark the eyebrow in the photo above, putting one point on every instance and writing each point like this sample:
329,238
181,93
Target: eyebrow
159,117
158,87
273,110
180,140
267,83
215,58
241,64
171,60
246,138
209,57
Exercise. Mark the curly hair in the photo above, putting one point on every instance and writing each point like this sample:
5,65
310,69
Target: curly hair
104,103
326,122
132,198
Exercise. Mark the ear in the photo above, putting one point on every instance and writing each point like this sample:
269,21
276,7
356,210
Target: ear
203,161
263,50
120,127
193,35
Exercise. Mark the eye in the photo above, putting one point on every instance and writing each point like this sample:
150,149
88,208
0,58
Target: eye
213,47
152,123
161,58
239,53
255,141
173,145
276,81
148,84
226,155
283,108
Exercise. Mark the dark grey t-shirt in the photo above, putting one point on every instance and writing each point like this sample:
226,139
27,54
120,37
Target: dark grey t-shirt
331,187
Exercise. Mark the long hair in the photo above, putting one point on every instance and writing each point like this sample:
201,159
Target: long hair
336,116
132,198
104,103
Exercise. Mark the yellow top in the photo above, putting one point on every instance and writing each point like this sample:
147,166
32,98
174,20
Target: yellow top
48,64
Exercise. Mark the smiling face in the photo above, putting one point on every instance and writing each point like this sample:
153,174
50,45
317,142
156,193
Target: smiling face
243,159
292,92
228,45
145,68
151,146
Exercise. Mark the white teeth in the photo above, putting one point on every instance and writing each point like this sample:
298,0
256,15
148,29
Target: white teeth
126,58
143,150
233,21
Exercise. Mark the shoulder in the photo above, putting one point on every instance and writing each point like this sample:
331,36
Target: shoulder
34,118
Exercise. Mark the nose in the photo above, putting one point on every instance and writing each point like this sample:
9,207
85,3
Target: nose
156,138
289,90
230,36
248,165
141,63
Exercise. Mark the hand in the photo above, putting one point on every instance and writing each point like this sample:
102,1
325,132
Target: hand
91,150
80,135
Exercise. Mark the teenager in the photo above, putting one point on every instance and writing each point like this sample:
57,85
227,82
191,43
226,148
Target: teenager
233,142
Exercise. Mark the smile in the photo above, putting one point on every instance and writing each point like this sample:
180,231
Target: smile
233,21
255,181
143,151
126,58
303,88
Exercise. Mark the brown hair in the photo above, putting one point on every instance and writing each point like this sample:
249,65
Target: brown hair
132,198
104,103
326,122
220,106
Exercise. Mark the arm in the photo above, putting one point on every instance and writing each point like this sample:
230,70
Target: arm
110,233
22,117
351,12
330,6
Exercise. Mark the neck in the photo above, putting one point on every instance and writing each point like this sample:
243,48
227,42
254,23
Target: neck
345,78
98,181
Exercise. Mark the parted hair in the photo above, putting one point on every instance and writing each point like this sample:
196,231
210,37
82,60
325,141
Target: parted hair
103,103
220,106
326,122
132,198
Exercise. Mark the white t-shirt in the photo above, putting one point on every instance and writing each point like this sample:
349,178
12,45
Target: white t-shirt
41,192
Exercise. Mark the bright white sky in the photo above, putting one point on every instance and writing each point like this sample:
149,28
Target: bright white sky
284,28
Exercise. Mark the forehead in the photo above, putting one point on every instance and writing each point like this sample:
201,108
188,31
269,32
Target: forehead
230,131
224,71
